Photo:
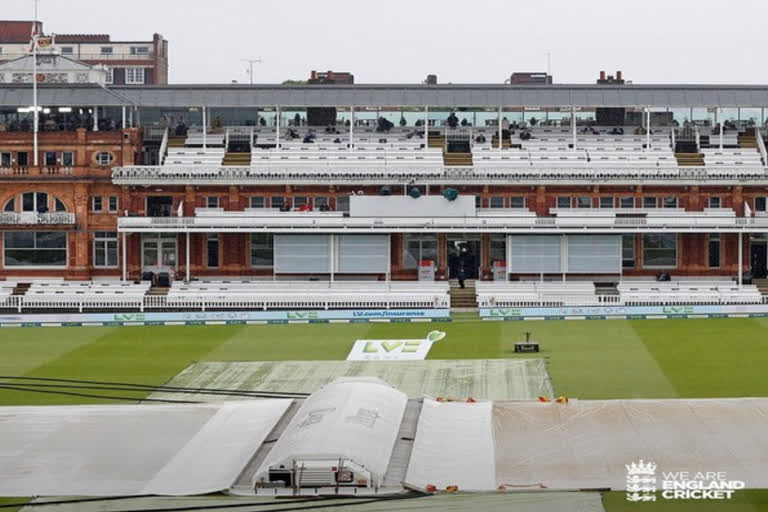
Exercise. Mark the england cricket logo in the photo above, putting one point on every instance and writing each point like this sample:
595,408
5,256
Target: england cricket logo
641,481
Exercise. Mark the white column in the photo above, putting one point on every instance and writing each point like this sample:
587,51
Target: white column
351,124
573,125
186,255
122,125
426,127
740,257
277,128
95,118
648,129
125,271
389,260
205,131
130,117
498,128
332,254
720,117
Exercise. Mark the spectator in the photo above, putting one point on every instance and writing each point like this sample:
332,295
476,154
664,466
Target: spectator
464,122
297,120
480,139
403,122
452,121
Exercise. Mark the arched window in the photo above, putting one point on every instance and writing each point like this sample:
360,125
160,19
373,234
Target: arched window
10,205
40,202
104,158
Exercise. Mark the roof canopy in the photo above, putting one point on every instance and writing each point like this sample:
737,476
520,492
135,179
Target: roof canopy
393,95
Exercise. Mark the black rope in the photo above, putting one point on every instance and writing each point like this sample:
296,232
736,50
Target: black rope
89,395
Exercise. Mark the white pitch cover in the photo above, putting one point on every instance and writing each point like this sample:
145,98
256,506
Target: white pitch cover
453,446
109,450
355,418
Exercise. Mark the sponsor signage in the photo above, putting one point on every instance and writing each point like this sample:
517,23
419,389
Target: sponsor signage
608,311
394,350
203,316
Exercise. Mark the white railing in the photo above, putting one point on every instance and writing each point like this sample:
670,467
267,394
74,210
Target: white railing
383,172
544,300
163,148
37,218
761,145
672,138
698,137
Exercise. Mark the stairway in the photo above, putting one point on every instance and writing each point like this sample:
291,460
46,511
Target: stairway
463,299
690,159
158,290
435,141
21,288
762,285
747,141
505,143
177,141
457,158
236,158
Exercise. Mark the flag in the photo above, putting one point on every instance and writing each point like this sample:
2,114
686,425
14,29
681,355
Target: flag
33,37
747,210
180,210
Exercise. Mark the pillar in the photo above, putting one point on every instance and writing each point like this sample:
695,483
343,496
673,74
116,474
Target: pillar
205,128
95,118
741,257
125,258
186,256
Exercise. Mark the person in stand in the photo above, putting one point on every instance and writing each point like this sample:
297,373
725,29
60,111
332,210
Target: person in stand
297,120
461,275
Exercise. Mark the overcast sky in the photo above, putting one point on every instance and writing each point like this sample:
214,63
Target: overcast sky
401,41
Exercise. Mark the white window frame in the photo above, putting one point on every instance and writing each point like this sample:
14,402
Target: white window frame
109,204
100,158
497,198
719,201
212,202
565,199
72,158
263,201
107,50
525,201
100,200
110,76
139,50
135,76
104,242
67,50
677,251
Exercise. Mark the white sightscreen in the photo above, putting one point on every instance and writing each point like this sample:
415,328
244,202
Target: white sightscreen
594,254
362,254
301,254
532,254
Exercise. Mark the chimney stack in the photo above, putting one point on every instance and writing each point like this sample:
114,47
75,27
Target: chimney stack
602,75
313,75
618,76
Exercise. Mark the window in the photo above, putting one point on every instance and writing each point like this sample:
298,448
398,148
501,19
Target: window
106,50
497,202
96,205
301,202
58,205
67,50
321,203
649,202
262,250
478,202
498,248
105,249
22,159
627,202
212,250
419,248
759,203
517,202
67,159
134,75
114,203
606,202
212,202
669,202
49,157
628,251
583,202
10,206
258,202
277,201
139,50
714,202
103,158
159,206
34,202
714,250
5,159
110,76
342,203
564,202
35,249
660,250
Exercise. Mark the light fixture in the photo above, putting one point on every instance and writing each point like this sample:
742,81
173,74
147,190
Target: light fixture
65,110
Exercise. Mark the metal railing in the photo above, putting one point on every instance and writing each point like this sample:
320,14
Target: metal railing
37,218
761,145
163,147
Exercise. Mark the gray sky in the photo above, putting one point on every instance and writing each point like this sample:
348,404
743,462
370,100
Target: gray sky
401,41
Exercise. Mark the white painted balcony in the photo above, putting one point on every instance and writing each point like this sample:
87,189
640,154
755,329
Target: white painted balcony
34,218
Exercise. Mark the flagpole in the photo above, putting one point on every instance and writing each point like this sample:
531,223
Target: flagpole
34,86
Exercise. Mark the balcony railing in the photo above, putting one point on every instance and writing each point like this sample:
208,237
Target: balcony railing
34,218
313,173
89,56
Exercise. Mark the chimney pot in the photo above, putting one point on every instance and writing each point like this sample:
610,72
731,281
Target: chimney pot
602,75
618,75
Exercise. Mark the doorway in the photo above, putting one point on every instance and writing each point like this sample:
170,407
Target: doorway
158,253
758,258
463,252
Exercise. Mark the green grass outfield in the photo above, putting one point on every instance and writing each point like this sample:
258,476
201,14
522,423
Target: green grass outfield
587,359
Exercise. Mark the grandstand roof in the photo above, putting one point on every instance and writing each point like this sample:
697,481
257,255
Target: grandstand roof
415,95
